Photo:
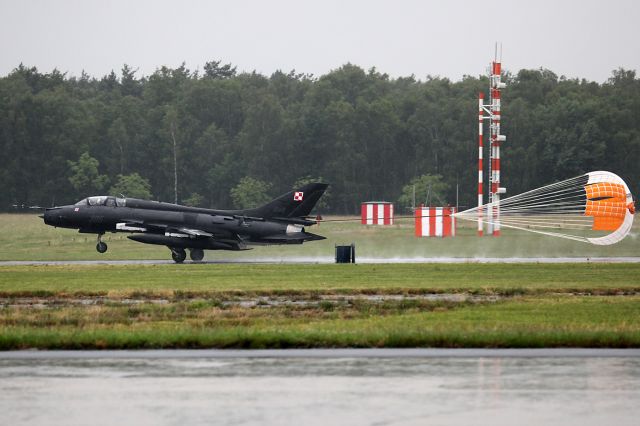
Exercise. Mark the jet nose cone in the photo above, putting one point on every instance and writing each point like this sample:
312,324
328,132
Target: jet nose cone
51,217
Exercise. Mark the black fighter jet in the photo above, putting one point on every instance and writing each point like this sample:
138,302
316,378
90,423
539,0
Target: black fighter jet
281,221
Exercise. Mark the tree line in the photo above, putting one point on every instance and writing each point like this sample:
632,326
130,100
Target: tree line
236,138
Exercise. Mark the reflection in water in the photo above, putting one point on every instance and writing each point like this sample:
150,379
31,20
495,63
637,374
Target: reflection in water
359,391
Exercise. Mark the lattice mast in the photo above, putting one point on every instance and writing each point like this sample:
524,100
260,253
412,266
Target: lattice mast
492,113
480,160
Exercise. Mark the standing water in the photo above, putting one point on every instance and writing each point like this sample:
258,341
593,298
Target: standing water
319,390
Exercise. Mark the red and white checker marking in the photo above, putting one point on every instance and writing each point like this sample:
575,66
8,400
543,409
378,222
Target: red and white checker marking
377,213
298,196
435,222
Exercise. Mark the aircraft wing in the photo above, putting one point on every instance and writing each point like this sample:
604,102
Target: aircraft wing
130,227
185,232
295,238
140,226
192,232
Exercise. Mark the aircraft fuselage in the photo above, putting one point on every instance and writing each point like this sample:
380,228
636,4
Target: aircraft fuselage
281,221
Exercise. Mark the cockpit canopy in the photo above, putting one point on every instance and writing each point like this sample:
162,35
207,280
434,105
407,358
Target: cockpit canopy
102,200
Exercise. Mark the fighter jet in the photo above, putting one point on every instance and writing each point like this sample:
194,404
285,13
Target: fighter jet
181,228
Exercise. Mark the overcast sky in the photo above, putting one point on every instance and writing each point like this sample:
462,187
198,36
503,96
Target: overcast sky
576,38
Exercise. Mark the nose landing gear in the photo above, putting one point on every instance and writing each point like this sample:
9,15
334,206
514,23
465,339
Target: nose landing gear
101,246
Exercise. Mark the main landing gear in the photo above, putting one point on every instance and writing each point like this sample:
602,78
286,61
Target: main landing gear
196,254
179,254
101,246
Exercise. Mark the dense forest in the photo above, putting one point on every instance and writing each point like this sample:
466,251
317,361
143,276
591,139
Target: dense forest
63,138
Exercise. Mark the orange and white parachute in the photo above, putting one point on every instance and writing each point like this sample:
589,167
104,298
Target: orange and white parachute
593,203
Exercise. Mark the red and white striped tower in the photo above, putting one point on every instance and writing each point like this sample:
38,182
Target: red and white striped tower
491,112
480,160
494,194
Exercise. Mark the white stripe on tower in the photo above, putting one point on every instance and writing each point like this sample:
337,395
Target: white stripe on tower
426,212
369,214
453,221
438,232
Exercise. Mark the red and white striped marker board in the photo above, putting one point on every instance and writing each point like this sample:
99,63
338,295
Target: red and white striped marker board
435,222
377,213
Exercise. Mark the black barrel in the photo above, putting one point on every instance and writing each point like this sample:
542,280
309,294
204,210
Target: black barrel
346,254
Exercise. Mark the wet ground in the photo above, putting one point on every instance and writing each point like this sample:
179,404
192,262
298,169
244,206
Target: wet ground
317,300
326,259
318,387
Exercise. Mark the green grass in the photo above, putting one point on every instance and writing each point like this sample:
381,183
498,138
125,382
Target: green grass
268,278
540,304
522,322
25,237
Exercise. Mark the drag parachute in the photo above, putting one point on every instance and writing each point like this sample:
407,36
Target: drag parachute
597,201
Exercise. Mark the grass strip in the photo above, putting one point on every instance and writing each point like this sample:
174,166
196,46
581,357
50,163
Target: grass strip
562,321
25,237
279,279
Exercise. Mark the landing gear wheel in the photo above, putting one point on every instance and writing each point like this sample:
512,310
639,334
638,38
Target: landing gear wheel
178,255
101,247
196,255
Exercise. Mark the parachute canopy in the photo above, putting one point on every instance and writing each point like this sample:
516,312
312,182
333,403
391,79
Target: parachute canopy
598,201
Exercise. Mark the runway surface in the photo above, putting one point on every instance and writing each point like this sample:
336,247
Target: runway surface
328,260
326,353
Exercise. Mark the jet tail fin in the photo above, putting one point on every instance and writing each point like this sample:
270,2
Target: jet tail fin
293,204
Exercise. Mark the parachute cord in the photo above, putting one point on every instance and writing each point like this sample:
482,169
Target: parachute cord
562,205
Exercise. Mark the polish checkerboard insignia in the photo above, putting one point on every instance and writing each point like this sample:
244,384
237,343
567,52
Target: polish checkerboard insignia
298,196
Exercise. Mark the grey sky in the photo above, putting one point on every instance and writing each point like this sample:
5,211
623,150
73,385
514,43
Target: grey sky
576,38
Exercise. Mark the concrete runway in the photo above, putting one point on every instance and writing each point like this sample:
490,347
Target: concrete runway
324,353
328,260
